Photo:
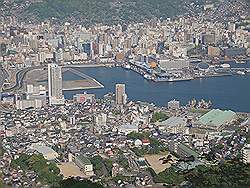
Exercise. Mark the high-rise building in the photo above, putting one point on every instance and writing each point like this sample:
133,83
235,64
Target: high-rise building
120,94
55,85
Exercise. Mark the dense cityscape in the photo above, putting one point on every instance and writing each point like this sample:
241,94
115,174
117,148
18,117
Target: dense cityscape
50,140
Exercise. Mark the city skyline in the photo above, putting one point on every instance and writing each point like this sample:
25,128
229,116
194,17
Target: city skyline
138,93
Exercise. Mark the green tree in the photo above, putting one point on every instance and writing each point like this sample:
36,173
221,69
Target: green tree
159,116
73,183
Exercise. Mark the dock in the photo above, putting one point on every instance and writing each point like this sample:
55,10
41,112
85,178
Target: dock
39,77
86,82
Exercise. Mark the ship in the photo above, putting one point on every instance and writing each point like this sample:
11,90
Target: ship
179,79
240,72
239,62
127,66
147,76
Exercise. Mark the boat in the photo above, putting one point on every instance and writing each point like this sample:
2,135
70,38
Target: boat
147,76
127,66
179,79
239,62
158,79
170,80
225,65
240,72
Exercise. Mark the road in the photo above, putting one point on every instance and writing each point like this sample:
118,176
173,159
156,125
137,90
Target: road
19,78
3,76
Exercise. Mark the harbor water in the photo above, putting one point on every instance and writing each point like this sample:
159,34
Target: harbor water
229,92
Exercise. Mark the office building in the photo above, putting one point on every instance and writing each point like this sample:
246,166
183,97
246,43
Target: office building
55,85
120,94
36,93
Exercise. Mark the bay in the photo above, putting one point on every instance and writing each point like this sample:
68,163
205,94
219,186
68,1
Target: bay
229,92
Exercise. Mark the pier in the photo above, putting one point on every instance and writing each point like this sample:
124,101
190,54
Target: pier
39,77
86,82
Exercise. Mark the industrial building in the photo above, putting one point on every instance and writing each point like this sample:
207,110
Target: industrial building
233,52
213,51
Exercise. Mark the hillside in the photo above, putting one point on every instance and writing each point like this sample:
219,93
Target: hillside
95,11
104,11
89,12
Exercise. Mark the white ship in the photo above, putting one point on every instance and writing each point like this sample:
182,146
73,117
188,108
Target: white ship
225,65
147,76
127,66
240,72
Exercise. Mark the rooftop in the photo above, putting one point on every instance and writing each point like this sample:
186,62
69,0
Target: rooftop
188,150
44,150
173,121
84,160
217,117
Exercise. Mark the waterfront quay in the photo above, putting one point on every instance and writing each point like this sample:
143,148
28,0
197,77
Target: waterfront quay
37,75
86,82
185,71
81,82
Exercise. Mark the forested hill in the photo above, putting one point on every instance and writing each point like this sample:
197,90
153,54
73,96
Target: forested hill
89,12
95,11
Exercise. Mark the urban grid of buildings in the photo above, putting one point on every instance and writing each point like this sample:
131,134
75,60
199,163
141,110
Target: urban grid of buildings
36,118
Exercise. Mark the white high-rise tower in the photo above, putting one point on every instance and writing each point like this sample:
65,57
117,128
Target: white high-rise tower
55,85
